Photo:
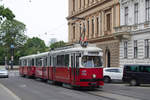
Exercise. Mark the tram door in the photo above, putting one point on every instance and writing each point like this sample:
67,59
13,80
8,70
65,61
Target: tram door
74,67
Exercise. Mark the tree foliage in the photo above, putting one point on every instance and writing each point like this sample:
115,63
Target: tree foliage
12,33
6,13
57,44
33,46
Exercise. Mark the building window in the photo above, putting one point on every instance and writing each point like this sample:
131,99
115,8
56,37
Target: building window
147,48
73,5
135,49
88,23
74,32
108,22
92,26
136,13
100,29
147,10
97,19
126,15
125,49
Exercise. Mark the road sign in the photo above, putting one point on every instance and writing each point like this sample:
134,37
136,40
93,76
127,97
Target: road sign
11,46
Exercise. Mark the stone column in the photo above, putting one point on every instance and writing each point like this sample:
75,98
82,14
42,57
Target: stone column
82,4
70,7
95,26
86,3
103,23
100,24
69,34
112,20
76,5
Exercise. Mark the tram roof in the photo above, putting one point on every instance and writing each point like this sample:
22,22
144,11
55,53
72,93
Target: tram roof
26,57
42,54
78,47
34,55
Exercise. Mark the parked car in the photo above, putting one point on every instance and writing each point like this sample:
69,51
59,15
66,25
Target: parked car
112,74
136,74
3,72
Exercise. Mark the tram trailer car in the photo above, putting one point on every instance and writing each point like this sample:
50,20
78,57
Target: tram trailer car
73,65
27,67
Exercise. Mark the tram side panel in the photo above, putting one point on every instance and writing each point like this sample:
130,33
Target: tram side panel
31,71
61,74
45,72
50,73
38,72
25,70
21,70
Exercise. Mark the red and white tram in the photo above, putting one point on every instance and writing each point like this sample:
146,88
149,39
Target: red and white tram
74,65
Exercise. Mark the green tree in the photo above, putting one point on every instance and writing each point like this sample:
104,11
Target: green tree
33,46
6,13
2,55
57,44
12,33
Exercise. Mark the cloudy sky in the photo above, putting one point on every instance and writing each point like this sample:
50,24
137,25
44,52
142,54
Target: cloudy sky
43,18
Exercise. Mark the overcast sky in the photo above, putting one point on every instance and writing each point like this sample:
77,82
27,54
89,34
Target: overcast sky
43,18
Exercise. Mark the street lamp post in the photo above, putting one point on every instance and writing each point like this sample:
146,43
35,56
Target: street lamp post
12,55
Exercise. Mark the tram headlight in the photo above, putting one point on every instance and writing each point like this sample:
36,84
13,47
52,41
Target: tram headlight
94,76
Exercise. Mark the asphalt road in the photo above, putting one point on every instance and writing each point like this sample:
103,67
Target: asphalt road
30,89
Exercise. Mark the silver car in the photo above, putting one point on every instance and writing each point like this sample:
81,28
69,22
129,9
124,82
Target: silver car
3,73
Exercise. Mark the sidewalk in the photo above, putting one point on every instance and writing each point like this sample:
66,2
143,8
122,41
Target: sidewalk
6,94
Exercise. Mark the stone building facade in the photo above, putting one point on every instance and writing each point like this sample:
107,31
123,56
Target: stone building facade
134,32
98,18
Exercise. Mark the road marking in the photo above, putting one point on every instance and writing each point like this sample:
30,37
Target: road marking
10,92
113,96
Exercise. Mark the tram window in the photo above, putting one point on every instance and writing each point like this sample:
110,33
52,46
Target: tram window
28,62
36,62
54,61
50,61
39,62
91,61
45,61
72,61
60,60
77,61
32,62
67,60
25,62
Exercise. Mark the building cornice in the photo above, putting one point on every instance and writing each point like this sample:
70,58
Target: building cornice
89,8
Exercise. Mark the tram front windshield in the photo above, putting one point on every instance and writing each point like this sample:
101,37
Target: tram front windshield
91,61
